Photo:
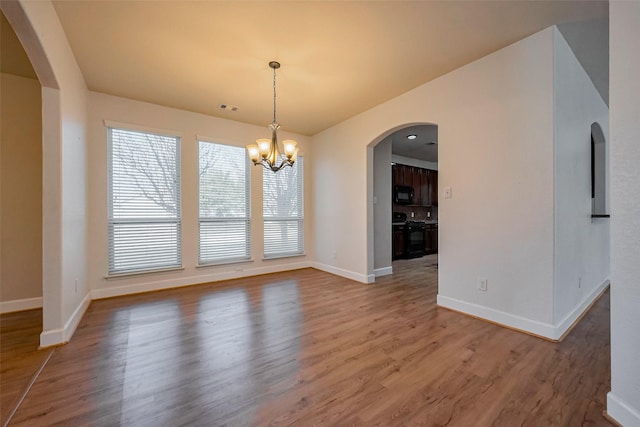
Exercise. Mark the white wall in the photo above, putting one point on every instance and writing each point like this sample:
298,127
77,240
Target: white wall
21,193
495,124
64,165
623,402
581,248
142,115
382,207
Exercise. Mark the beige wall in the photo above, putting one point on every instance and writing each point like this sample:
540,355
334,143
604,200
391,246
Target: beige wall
495,120
21,188
190,127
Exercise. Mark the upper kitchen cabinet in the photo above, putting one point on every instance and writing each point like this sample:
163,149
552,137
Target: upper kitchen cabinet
398,174
433,186
423,181
417,182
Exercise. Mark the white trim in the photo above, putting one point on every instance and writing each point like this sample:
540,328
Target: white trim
574,315
507,319
193,280
621,411
142,128
363,278
62,336
20,305
128,275
225,262
52,337
269,258
384,271
546,330
76,317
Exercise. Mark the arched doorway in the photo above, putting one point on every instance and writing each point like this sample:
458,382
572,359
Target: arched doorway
414,145
21,177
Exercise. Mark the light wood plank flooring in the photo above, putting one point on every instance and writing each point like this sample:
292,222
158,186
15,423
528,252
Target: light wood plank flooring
308,348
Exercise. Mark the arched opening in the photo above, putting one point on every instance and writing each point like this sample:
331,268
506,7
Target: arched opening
21,293
31,199
21,177
405,156
599,172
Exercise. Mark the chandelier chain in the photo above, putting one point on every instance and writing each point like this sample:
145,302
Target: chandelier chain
274,95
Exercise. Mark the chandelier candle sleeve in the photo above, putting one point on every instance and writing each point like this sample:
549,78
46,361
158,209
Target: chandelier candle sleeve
265,151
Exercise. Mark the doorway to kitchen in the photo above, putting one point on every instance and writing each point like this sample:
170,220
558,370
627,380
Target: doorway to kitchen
405,198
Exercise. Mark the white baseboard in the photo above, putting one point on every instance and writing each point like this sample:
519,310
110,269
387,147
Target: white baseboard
53,337
363,278
546,330
20,305
384,271
507,319
60,336
621,412
157,285
566,323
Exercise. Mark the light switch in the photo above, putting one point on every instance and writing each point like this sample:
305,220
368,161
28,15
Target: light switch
447,192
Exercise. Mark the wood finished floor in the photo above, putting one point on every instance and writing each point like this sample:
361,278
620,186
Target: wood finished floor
20,358
307,348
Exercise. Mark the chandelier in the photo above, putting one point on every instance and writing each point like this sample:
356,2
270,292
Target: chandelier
265,151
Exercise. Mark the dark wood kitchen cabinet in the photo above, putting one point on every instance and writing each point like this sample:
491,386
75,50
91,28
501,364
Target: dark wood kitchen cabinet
431,239
417,180
423,181
433,187
408,175
398,174
398,244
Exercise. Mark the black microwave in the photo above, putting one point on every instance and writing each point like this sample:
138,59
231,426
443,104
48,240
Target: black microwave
402,194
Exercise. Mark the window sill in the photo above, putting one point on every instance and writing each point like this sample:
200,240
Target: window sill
225,262
283,256
141,273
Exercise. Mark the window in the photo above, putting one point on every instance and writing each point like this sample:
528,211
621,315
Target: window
144,202
283,211
224,204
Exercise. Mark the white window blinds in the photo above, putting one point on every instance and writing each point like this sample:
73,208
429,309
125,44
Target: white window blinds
144,202
224,204
283,203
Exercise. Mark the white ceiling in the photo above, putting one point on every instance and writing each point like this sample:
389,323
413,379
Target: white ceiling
423,147
338,58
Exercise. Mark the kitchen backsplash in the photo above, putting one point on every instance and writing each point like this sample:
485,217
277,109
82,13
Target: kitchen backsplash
421,213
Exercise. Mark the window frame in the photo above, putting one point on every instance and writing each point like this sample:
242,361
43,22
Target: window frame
299,164
111,221
247,218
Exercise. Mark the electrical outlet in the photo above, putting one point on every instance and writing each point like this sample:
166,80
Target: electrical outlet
413,214
428,214
447,192
482,285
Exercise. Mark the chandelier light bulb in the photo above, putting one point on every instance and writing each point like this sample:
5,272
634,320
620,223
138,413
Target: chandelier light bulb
290,148
254,152
264,145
